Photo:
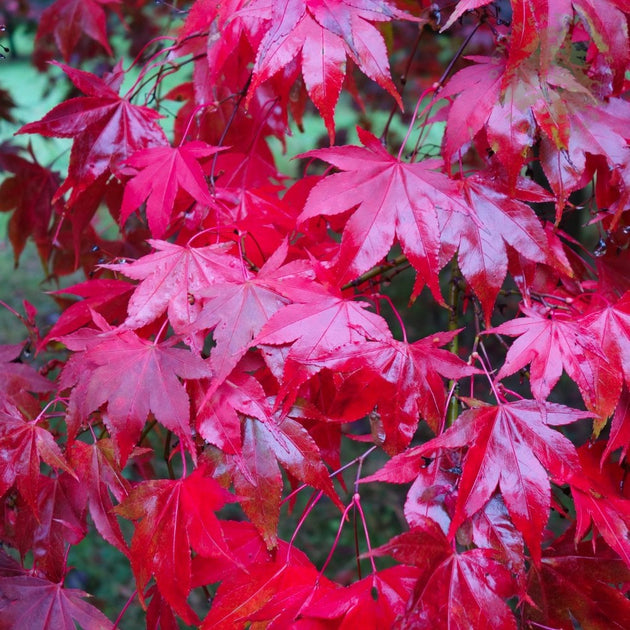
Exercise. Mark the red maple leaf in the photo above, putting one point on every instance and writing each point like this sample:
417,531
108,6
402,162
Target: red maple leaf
107,128
172,517
171,277
325,33
29,194
237,309
610,330
510,447
481,244
550,22
394,199
163,171
550,344
460,590
272,589
573,584
512,104
134,377
16,378
106,296
373,603
68,20
22,445
461,7
620,427
59,521
599,501
413,373
256,473
95,465
313,330
31,601
217,409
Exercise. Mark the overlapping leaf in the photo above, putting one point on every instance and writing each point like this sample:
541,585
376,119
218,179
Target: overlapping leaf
511,447
67,20
236,310
394,199
173,516
551,344
453,589
162,172
107,128
256,473
134,377
22,445
482,244
405,381
170,279
575,584
30,601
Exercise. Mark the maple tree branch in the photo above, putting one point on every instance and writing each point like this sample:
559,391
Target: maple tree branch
239,99
403,83
376,271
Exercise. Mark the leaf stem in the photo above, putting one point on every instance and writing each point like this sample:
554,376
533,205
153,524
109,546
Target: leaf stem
124,609
453,324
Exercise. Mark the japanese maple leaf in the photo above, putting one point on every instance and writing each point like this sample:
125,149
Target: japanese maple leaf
492,528
68,20
22,445
593,128
160,614
413,371
162,172
481,245
619,436
171,517
314,329
598,500
29,194
256,473
107,128
134,377
454,590
237,310
375,602
30,601
106,296
576,584
510,447
96,466
610,329
325,33
600,18
515,106
171,277
272,592
60,520
394,199
218,410
16,378
461,7
433,493
550,344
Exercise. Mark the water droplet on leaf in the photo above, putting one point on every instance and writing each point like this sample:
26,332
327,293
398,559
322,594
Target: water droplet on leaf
600,250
